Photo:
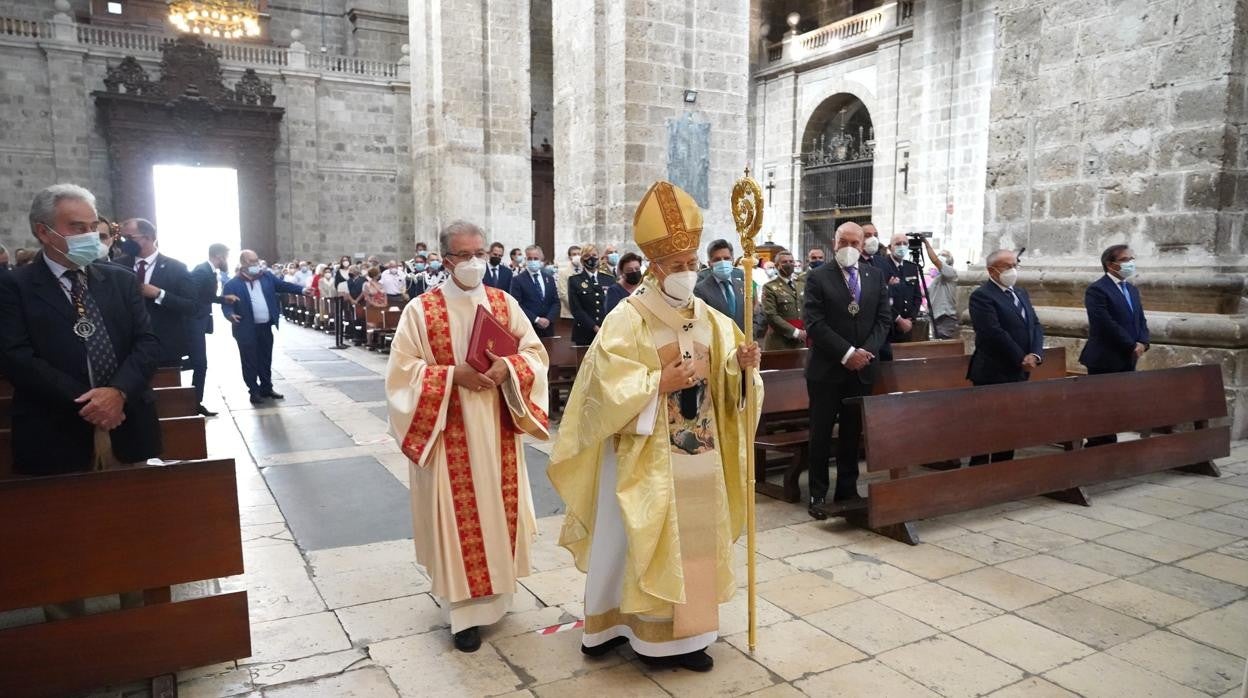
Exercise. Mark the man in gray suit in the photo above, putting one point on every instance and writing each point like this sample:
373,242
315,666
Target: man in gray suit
722,289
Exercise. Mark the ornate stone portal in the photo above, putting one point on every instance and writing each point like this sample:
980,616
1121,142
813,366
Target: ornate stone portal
189,116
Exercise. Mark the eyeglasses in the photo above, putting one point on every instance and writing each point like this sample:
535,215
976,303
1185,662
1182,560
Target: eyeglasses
479,254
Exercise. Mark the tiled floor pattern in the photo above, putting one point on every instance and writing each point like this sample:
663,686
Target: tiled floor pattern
1141,595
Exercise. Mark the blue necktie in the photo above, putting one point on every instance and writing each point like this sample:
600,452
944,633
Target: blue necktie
1122,286
732,299
1017,304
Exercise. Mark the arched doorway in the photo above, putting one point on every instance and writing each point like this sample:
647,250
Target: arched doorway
838,150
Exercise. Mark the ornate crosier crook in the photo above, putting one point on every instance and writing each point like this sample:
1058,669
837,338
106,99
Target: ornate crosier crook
747,213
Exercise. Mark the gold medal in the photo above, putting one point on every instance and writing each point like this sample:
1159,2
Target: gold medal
854,308
84,328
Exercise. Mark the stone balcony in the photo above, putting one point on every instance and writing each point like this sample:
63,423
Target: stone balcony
847,37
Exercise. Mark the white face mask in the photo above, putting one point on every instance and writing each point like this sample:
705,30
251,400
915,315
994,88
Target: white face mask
680,285
576,260
847,256
1008,278
470,273
872,245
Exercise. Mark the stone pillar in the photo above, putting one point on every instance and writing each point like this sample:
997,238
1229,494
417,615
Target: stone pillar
298,214
376,32
1114,123
70,124
622,69
470,117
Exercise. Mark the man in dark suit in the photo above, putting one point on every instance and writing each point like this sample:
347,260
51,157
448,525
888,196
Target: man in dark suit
254,316
587,297
847,318
77,346
904,291
166,286
1009,341
204,279
1117,329
721,288
536,291
497,274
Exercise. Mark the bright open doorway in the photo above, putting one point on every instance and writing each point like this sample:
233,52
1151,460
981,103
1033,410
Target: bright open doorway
195,207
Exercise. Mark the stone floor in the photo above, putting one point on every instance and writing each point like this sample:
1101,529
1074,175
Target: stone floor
1142,594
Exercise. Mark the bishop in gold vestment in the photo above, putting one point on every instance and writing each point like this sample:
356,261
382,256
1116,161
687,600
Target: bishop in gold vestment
653,474
472,510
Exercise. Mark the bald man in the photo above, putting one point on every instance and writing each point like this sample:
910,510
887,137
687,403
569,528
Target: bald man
847,317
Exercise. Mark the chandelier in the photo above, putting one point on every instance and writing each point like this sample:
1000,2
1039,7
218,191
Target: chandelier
227,19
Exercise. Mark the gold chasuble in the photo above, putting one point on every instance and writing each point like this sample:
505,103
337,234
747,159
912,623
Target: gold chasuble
472,510
655,485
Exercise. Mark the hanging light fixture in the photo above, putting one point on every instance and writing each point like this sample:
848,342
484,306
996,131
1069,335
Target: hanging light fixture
217,18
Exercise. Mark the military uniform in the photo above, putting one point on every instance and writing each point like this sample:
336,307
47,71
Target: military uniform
588,302
782,302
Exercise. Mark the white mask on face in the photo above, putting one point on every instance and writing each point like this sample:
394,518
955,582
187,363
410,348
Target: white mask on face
680,285
847,256
470,273
576,260
1009,277
872,245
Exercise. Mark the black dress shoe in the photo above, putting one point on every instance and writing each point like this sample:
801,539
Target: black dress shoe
468,640
257,400
693,661
205,411
275,396
600,650
815,510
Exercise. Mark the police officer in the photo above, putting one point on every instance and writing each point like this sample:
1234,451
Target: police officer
587,297
782,304
903,290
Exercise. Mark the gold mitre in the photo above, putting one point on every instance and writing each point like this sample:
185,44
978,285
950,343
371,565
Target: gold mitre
668,221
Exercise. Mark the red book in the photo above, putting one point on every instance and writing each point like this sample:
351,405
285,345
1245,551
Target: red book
488,334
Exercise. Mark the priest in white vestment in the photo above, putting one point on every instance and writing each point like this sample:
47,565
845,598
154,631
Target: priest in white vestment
472,511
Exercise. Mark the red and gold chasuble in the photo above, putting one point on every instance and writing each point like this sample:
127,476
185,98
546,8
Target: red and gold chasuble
424,421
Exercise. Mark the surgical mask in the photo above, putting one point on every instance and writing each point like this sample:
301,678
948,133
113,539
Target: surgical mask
816,263
551,269
1126,269
772,272
534,266
680,285
632,278
82,250
591,262
872,245
470,273
722,269
303,267
254,270
495,261
899,253
517,260
1008,278
435,265
847,256
576,260
419,266
613,258
104,250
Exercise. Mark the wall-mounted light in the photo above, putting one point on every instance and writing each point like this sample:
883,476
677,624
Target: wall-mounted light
691,96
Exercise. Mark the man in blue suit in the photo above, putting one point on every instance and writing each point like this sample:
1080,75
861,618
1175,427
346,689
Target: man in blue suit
253,317
535,290
497,274
1009,341
1117,330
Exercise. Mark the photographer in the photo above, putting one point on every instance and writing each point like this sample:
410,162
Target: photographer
943,292
903,289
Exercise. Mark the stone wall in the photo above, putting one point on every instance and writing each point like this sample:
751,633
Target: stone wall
1119,122
542,73
621,122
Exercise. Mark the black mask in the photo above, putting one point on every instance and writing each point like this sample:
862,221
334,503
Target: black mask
130,248
591,262
632,278
495,261
786,269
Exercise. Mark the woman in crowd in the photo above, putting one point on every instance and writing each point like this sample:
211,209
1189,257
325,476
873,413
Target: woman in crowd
628,271
374,295
341,274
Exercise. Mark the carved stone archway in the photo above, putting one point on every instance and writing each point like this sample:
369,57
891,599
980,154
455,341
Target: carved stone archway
190,117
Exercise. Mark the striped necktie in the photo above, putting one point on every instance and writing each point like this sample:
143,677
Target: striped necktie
1018,305
101,359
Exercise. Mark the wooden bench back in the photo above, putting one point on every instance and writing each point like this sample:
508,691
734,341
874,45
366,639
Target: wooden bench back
92,534
780,359
562,353
948,372
784,391
170,402
950,424
928,350
182,438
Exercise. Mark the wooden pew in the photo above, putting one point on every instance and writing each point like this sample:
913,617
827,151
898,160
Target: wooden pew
565,360
995,418
929,349
163,378
182,438
380,324
780,359
946,372
170,402
90,534
782,427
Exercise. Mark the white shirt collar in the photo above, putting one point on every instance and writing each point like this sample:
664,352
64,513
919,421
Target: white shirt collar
151,260
1006,289
58,270
1115,280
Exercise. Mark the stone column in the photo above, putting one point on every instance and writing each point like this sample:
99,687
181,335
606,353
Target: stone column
298,212
70,124
622,69
470,117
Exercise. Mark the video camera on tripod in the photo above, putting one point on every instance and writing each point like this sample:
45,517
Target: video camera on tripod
914,241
